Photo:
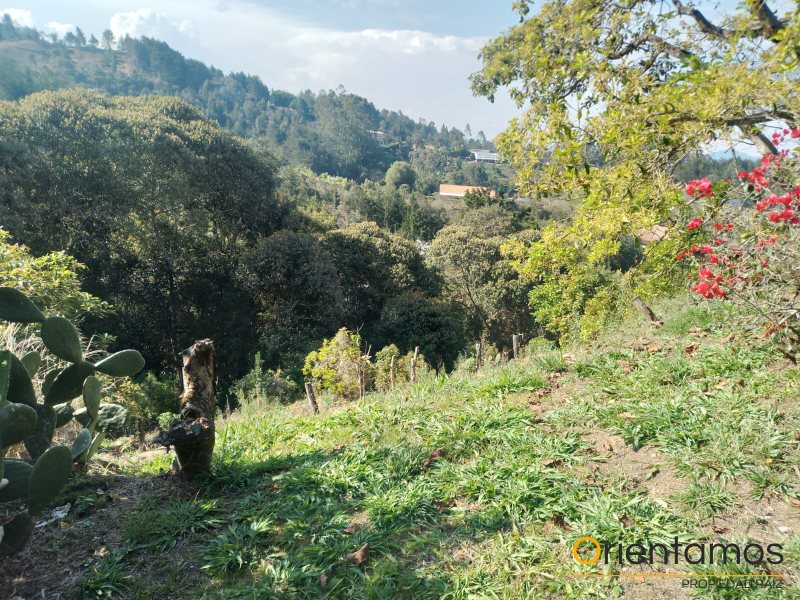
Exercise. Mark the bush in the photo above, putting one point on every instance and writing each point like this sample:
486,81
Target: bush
339,367
147,399
746,246
388,372
263,385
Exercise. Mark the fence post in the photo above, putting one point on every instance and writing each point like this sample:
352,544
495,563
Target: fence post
478,355
515,345
414,365
312,400
391,372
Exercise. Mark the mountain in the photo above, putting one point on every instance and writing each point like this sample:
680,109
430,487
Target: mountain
331,132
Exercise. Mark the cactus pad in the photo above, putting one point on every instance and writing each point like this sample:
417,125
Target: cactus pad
20,388
15,307
32,361
91,395
50,474
16,533
18,473
121,364
17,421
62,339
69,383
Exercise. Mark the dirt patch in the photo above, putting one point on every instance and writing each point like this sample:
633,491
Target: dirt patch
771,519
57,555
646,467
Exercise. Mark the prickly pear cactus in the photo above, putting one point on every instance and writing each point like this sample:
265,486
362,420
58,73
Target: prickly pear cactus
27,489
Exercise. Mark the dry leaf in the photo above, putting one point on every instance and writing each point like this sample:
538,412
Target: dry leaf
721,530
794,501
552,463
436,454
359,556
627,415
626,521
691,348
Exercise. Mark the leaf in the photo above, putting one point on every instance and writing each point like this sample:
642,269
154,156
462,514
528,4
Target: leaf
17,307
122,364
359,556
62,339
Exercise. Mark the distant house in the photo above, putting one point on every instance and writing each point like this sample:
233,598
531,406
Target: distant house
485,156
379,137
458,191
654,234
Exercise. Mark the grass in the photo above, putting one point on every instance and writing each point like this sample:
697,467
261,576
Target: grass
472,485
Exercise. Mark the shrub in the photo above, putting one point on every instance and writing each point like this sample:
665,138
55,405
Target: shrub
339,366
745,246
262,385
391,367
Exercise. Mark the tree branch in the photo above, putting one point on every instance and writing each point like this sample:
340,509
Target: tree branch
705,25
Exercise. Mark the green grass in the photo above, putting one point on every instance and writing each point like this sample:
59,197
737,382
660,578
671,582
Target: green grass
462,490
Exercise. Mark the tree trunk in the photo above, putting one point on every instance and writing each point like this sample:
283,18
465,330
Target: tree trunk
193,435
646,311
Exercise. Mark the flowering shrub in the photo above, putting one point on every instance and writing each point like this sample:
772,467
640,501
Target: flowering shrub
746,247
339,366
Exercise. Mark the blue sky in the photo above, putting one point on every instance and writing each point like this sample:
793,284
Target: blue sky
409,55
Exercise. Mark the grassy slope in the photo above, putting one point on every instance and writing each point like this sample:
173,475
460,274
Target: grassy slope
471,486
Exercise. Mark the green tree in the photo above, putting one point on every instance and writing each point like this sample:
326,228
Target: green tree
615,95
401,173
481,283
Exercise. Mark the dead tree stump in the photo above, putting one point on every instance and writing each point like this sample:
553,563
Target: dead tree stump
193,436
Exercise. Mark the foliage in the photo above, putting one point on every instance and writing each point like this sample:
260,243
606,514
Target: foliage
160,236
51,281
147,398
391,368
24,419
339,366
400,173
615,96
412,319
745,246
262,385
485,287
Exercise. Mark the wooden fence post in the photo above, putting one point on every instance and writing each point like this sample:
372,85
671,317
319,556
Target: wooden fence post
515,345
391,372
478,355
312,400
414,365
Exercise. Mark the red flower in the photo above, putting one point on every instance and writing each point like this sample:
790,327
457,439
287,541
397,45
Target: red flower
694,224
699,187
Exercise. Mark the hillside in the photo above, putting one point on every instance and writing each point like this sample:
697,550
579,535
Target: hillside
330,132
473,484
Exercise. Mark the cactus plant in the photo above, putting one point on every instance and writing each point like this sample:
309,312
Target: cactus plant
27,489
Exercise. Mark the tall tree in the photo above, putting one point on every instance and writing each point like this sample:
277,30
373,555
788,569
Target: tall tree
107,40
615,95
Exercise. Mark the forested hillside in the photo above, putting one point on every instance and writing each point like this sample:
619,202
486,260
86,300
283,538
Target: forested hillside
328,131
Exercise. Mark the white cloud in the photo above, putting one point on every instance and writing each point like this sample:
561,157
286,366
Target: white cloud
60,28
147,22
20,16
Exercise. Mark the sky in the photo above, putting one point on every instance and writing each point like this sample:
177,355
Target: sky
409,55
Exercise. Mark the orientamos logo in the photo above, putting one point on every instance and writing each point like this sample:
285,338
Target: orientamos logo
588,550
